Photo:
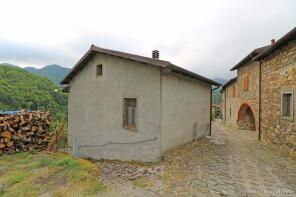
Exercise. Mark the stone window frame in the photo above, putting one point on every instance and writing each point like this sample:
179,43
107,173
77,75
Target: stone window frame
290,118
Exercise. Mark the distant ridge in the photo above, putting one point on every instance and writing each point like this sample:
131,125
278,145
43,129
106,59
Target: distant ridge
53,72
217,97
220,80
7,64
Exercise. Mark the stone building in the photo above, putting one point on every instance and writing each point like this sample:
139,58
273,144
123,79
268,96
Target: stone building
278,86
240,96
130,107
261,98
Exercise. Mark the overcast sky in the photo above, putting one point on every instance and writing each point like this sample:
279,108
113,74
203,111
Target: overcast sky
206,36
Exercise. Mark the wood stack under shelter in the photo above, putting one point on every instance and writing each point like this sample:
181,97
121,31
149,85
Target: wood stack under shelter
24,131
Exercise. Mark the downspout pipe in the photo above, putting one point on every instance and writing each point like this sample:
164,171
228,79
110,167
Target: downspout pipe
224,114
260,99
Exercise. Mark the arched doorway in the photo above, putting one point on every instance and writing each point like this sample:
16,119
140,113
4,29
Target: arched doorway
246,118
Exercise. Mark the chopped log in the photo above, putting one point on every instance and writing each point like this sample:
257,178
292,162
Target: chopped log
6,134
24,131
9,144
34,128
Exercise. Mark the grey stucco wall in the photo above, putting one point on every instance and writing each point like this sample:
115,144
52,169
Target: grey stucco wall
185,107
96,104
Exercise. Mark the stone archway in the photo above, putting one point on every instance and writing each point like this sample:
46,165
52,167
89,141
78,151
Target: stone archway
246,118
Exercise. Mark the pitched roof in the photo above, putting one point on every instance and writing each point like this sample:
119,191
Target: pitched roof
290,36
225,85
146,60
249,57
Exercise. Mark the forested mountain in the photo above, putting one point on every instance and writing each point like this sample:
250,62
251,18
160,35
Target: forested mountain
53,72
7,64
20,89
217,96
220,80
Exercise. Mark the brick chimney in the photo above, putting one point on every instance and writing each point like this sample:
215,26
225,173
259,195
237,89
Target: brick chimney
272,41
155,54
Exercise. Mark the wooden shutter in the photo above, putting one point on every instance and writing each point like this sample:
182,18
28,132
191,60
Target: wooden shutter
245,82
129,113
99,69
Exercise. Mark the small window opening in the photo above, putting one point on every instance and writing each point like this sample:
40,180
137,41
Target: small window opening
287,105
99,70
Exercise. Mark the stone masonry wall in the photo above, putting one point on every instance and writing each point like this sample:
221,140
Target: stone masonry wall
251,96
242,97
279,74
229,116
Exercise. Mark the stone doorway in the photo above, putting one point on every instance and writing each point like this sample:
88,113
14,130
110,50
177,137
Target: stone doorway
246,118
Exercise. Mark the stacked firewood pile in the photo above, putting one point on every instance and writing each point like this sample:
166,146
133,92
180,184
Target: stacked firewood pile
24,131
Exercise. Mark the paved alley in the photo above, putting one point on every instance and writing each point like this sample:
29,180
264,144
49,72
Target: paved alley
229,163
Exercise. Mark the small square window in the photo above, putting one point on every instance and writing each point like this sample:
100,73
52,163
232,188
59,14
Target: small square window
129,113
99,70
287,105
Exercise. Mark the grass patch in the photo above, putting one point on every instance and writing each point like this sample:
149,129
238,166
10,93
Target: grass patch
143,182
16,177
67,163
58,174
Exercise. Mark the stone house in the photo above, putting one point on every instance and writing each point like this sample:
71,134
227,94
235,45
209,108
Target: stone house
129,107
278,85
270,80
240,97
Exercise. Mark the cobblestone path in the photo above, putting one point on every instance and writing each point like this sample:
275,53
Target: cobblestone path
229,163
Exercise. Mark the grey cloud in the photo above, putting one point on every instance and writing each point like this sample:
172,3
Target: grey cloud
235,29
28,54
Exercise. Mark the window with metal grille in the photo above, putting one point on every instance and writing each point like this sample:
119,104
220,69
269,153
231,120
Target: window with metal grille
287,105
130,113
99,70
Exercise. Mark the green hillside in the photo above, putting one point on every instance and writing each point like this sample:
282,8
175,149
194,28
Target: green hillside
20,89
217,97
53,72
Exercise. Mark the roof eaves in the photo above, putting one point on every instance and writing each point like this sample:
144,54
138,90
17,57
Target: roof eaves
146,60
249,57
243,61
280,42
229,83
76,68
188,73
